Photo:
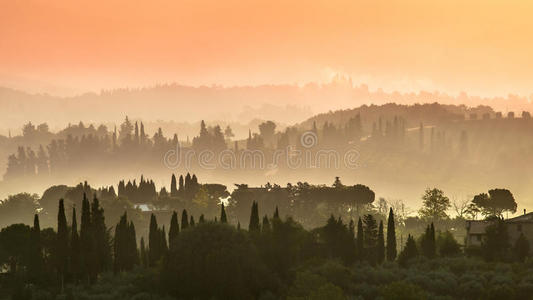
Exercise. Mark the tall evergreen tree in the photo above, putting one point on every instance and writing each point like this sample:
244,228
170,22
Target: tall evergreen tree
102,240
223,218
133,255
370,238
86,239
191,222
254,218
62,244
181,184
360,248
202,219
276,213
144,257
265,228
184,220
410,251
173,186
36,263
163,240
381,244
428,243
391,237
173,231
154,243
75,260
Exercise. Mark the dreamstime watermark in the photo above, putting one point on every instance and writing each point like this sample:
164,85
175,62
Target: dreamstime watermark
306,155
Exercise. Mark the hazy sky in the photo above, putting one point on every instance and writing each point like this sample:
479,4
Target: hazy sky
64,46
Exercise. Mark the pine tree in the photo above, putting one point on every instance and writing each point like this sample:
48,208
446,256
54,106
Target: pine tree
173,186
360,240
223,218
173,231
62,244
36,263
254,218
184,220
391,237
381,244
154,243
75,260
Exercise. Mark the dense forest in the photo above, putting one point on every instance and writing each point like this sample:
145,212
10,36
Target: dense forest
198,241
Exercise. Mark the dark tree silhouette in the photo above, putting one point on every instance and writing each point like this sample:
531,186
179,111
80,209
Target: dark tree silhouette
391,237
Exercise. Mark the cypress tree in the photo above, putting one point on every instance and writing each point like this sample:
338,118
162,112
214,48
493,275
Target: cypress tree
62,244
164,246
120,244
266,224
144,257
360,240
133,255
428,244
238,225
202,219
370,238
75,260
191,222
254,218
184,220
86,239
276,213
381,244
36,263
223,218
102,240
173,186
391,237
410,251
181,184
173,231
154,243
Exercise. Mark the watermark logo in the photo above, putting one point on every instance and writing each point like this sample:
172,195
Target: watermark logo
307,155
309,139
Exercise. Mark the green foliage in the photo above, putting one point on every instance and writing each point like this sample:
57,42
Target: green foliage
495,203
496,245
434,205
409,252
214,260
521,248
401,290
447,245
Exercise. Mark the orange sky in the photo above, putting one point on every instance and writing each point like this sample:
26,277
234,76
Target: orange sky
65,46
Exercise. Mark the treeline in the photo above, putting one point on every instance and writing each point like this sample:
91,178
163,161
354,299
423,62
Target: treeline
274,258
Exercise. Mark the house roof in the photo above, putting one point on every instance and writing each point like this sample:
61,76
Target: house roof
523,218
